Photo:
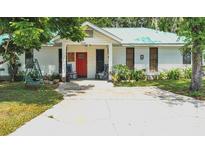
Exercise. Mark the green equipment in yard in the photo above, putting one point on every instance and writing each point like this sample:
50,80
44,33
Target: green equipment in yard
33,74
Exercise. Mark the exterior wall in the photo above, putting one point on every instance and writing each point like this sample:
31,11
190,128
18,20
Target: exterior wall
91,57
97,39
5,65
168,57
142,64
48,59
119,55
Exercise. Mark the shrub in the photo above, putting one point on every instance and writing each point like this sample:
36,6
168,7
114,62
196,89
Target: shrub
162,76
121,72
137,75
20,76
187,73
195,94
115,78
47,77
55,76
174,74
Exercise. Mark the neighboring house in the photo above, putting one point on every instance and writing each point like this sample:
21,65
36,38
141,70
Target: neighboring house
138,48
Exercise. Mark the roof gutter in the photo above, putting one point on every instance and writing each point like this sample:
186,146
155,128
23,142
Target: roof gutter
153,44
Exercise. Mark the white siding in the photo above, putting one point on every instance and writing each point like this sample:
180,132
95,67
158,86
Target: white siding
142,64
5,67
169,57
97,39
91,57
119,55
48,59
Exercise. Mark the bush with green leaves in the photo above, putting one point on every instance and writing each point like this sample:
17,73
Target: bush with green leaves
187,73
137,75
20,76
55,76
162,76
121,72
174,74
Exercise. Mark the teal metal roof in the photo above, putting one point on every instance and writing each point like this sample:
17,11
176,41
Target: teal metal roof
135,36
145,36
5,36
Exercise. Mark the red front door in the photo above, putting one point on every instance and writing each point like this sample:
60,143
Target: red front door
81,64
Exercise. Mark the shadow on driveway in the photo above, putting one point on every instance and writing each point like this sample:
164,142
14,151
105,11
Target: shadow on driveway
173,99
71,89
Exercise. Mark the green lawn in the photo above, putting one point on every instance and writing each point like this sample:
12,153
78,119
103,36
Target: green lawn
175,86
19,104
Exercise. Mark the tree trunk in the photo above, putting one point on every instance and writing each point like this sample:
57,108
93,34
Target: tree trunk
196,80
14,68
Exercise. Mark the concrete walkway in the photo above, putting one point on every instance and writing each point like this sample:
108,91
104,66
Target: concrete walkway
98,108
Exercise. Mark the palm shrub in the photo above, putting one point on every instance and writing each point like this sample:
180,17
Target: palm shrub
187,72
138,75
55,76
115,78
121,72
174,74
162,76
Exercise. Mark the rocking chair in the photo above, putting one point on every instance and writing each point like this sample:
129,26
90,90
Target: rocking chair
103,75
70,73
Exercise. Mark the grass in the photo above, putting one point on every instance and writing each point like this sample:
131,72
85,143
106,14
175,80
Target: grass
175,86
19,104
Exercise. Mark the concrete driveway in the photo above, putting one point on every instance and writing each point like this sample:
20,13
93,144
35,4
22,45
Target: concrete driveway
98,108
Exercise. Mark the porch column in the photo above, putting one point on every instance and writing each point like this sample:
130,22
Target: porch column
64,48
110,61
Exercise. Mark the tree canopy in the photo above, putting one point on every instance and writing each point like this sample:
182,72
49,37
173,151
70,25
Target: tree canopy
33,32
193,29
24,34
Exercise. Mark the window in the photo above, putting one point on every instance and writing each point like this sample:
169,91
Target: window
29,59
71,57
89,33
187,58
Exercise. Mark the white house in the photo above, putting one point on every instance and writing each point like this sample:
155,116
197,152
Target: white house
138,48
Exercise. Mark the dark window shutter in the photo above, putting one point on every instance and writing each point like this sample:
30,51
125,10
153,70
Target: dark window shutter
60,61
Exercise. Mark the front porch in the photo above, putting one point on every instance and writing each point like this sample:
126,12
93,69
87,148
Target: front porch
86,60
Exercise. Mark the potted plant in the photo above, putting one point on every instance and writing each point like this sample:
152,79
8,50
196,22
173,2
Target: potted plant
34,75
